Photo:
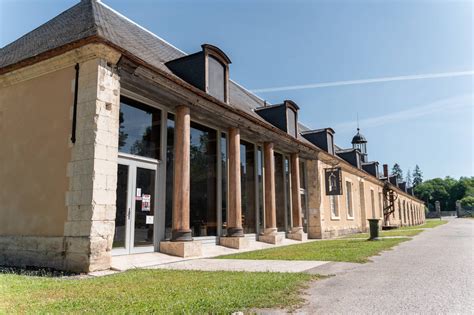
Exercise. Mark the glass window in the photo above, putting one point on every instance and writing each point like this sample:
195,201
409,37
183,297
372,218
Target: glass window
304,206
169,175
280,192
121,212
289,218
302,175
291,116
334,206
381,202
223,166
304,213
350,210
261,221
203,196
139,131
203,180
247,184
372,201
144,230
399,210
216,79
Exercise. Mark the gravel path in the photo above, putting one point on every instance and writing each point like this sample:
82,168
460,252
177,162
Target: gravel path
431,274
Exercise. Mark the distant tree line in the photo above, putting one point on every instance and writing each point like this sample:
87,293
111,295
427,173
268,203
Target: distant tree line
447,191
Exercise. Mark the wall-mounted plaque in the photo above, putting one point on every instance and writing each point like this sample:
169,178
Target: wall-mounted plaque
333,179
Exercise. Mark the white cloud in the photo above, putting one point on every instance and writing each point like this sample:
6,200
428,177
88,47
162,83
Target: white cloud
459,102
365,81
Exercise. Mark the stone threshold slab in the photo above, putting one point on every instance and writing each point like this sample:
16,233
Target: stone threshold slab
146,260
248,265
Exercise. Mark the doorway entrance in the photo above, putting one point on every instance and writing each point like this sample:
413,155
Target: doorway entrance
135,219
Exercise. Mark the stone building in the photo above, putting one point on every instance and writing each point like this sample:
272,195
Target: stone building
116,142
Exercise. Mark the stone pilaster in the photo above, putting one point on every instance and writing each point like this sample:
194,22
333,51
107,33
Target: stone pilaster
92,172
314,196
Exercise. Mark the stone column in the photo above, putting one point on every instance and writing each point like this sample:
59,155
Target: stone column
181,185
296,232
234,238
270,234
182,243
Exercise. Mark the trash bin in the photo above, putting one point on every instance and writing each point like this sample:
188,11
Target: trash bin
374,229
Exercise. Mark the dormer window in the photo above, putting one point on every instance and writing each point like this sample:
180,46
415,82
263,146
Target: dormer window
207,70
352,156
291,118
217,74
283,116
322,138
216,77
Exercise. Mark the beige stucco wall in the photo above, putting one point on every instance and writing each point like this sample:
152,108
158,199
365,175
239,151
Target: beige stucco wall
323,224
343,223
35,127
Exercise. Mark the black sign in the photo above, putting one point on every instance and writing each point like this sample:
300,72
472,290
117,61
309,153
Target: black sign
333,177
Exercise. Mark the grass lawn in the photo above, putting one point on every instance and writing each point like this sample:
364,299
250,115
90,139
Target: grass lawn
396,232
430,223
331,250
151,291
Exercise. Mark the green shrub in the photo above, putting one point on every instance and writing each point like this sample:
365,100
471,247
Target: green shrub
467,202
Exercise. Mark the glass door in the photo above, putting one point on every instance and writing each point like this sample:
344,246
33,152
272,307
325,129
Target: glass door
136,207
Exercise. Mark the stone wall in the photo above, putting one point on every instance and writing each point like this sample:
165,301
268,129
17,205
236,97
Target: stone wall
92,171
314,199
434,214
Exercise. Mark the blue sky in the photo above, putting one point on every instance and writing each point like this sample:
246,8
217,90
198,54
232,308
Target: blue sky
275,44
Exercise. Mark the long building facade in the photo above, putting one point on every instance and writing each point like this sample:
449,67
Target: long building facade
115,142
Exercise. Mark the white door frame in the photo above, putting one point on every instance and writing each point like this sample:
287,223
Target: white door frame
134,162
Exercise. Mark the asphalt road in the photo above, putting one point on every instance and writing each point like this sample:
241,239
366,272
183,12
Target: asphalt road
431,274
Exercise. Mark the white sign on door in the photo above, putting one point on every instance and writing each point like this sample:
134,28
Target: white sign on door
146,202
149,219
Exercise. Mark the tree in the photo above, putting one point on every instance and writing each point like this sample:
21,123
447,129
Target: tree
408,179
417,176
122,135
447,191
397,171
433,190
467,202
462,190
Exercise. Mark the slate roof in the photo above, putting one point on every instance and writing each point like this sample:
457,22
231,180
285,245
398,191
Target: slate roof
91,18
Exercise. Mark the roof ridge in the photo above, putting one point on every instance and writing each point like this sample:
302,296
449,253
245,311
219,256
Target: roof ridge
138,25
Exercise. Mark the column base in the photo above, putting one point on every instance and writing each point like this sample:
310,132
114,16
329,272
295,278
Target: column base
235,232
273,238
181,235
234,242
181,249
297,235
